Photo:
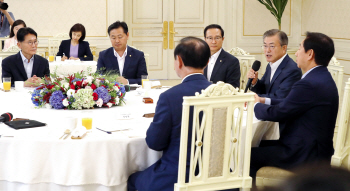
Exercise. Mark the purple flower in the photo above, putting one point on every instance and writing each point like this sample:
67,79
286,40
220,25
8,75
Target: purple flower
103,94
56,100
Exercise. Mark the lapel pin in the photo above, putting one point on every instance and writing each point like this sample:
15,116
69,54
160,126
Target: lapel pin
130,55
220,60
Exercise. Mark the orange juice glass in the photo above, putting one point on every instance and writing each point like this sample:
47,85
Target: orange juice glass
7,83
51,58
87,123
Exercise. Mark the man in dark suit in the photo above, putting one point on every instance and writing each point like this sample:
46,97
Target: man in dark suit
26,65
128,62
222,66
191,56
309,112
281,72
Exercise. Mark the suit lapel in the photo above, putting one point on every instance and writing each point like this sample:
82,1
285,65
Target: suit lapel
127,60
278,71
80,49
68,48
113,61
19,65
36,65
219,61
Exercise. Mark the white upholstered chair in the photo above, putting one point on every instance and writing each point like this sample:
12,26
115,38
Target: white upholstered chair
55,41
342,146
217,141
270,176
245,62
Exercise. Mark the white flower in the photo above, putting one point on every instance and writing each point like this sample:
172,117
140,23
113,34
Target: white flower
116,88
65,102
99,102
107,81
89,79
88,87
70,93
109,104
48,106
97,82
116,100
65,85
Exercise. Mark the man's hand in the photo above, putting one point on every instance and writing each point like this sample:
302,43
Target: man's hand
64,58
73,58
122,80
259,99
33,82
254,75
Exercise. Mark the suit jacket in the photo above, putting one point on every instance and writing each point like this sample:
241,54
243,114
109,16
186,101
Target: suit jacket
285,76
84,50
309,112
134,65
226,69
164,135
12,66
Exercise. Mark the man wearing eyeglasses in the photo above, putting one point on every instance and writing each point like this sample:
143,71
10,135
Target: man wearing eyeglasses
281,72
222,66
26,65
128,62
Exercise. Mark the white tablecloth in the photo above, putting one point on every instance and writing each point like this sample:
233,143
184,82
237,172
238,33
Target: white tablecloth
71,66
35,159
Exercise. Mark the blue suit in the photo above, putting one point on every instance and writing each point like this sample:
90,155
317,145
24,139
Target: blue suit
134,66
12,66
285,76
164,135
83,50
309,112
226,69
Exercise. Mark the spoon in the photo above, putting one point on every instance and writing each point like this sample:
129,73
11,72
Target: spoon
66,133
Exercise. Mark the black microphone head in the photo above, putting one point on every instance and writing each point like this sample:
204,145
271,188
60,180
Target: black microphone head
7,116
256,65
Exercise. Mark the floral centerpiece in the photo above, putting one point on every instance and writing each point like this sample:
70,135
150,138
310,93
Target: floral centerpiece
81,90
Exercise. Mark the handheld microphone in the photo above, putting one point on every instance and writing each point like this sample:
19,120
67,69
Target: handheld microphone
6,117
255,67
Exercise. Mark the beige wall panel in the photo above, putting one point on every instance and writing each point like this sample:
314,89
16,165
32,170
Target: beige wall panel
257,19
144,13
51,17
154,49
329,17
189,11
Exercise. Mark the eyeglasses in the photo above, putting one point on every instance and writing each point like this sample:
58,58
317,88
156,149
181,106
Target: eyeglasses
217,38
269,47
30,43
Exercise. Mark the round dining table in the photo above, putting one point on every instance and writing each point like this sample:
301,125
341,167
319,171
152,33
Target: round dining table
37,159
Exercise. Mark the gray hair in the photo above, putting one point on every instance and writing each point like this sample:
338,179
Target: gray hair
282,35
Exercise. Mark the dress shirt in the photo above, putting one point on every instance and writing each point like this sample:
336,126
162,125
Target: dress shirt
28,66
189,75
121,60
212,61
274,67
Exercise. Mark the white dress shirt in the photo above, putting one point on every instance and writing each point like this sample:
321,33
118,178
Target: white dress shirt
190,75
121,60
274,67
28,67
212,61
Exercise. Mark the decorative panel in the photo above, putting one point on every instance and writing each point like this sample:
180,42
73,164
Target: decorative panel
51,17
328,17
189,31
147,32
257,19
154,49
189,11
147,11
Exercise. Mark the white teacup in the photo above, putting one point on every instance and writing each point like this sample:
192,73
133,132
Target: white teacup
58,58
19,86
